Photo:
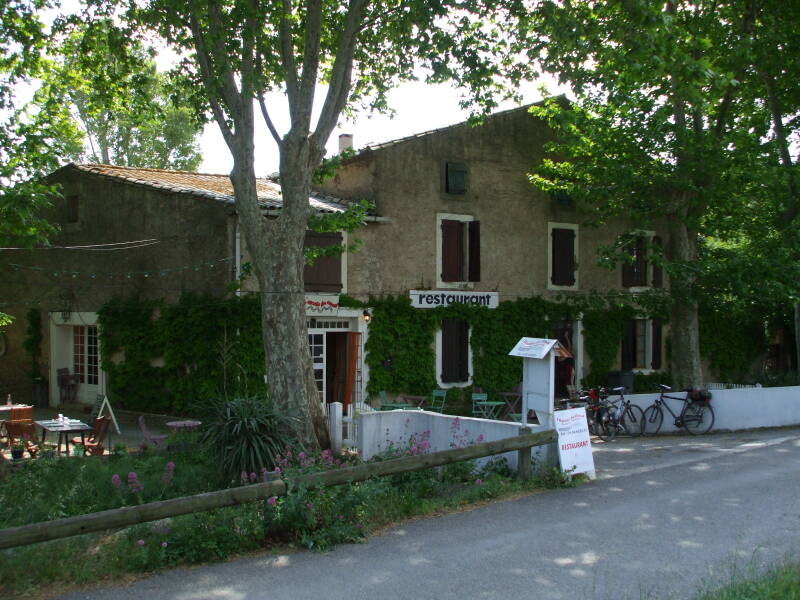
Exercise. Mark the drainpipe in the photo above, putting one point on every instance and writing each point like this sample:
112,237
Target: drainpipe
237,260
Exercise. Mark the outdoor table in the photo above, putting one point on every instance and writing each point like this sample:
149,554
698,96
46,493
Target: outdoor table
8,407
491,408
415,401
64,429
185,425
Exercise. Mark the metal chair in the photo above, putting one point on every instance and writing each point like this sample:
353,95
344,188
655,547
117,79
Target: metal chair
67,386
478,408
158,441
438,399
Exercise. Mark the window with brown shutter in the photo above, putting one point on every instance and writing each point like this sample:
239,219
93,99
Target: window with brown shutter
455,351
658,275
629,346
461,250
325,274
562,256
634,272
641,345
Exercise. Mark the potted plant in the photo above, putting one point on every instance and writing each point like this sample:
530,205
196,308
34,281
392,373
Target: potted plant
17,448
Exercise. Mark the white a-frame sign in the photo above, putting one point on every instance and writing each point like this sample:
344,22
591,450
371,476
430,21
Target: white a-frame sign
100,406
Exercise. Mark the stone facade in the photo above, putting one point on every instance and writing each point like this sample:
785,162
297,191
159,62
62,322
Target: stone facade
407,181
68,286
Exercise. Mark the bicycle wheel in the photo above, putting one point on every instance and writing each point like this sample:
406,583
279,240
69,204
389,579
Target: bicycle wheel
633,420
598,426
653,417
698,418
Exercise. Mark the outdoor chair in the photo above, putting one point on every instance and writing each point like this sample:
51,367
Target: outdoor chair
158,441
513,402
21,430
21,415
67,386
438,399
478,409
93,444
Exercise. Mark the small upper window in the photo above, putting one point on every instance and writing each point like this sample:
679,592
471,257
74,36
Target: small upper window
456,178
72,209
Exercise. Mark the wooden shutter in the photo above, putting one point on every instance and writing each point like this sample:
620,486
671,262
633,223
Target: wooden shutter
562,257
455,351
629,346
656,362
452,250
658,275
456,178
474,251
325,275
634,274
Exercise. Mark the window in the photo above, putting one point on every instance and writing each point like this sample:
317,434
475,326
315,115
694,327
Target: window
455,181
454,354
641,346
562,249
325,273
85,353
640,272
459,256
72,209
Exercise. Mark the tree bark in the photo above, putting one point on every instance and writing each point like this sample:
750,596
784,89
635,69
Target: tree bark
687,370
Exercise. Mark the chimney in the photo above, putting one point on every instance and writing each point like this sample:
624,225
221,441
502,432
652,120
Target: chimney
345,141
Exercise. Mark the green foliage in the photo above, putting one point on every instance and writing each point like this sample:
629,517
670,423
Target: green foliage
33,340
731,350
247,434
210,347
603,334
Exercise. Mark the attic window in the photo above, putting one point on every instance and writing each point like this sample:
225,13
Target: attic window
456,178
72,209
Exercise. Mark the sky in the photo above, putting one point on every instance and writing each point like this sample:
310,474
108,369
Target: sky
418,107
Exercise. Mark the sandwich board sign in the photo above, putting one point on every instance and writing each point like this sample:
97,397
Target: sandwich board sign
574,447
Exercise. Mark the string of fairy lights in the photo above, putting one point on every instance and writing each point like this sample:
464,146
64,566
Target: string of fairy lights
62,273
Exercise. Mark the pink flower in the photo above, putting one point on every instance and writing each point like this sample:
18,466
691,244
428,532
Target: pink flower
164,544
244,477
277,470
478,481
272,500
252,477
480,438
140,542
116,481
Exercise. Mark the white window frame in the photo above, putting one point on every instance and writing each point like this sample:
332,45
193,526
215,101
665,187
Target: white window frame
450,284
453,384
550,227
649,235
648,353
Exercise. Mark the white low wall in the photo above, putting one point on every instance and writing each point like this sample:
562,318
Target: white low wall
748,408
381,430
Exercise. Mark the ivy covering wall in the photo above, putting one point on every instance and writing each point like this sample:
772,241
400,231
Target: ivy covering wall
171,358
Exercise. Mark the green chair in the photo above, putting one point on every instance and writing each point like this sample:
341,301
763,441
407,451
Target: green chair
438,398
479,407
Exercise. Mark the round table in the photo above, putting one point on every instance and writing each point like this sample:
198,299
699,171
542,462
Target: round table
185,425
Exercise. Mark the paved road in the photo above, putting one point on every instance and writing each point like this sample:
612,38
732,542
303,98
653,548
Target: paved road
664,517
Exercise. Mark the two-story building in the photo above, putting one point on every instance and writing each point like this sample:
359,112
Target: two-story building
456,221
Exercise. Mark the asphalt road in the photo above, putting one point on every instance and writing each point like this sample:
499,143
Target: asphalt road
665,517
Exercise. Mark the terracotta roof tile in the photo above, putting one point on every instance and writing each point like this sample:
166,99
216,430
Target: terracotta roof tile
205,185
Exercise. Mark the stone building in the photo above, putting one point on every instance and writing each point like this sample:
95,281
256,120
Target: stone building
455,220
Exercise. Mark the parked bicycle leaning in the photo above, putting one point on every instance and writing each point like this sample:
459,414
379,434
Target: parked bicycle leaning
696,415
607,417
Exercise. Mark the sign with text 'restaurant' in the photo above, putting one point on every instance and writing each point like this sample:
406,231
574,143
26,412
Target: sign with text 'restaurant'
436,298
574,447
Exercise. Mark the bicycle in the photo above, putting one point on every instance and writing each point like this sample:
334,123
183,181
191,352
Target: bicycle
608,417
696,415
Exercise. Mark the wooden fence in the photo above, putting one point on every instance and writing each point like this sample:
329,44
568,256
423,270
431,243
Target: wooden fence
132,515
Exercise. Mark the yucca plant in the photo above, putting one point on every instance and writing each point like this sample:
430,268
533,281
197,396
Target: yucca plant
247,433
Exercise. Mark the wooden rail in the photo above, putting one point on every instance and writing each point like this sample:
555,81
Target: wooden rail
131,515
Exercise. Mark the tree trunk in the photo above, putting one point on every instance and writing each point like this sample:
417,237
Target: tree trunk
276,248
687,370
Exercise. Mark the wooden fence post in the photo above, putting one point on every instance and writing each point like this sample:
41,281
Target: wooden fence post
524,457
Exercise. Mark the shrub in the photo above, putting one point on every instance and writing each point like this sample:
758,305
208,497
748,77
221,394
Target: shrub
246,434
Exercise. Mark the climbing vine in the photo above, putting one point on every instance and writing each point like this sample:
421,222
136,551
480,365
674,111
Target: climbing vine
33,341
171,358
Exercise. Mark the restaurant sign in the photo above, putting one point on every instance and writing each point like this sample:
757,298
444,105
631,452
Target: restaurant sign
574,447
436,298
